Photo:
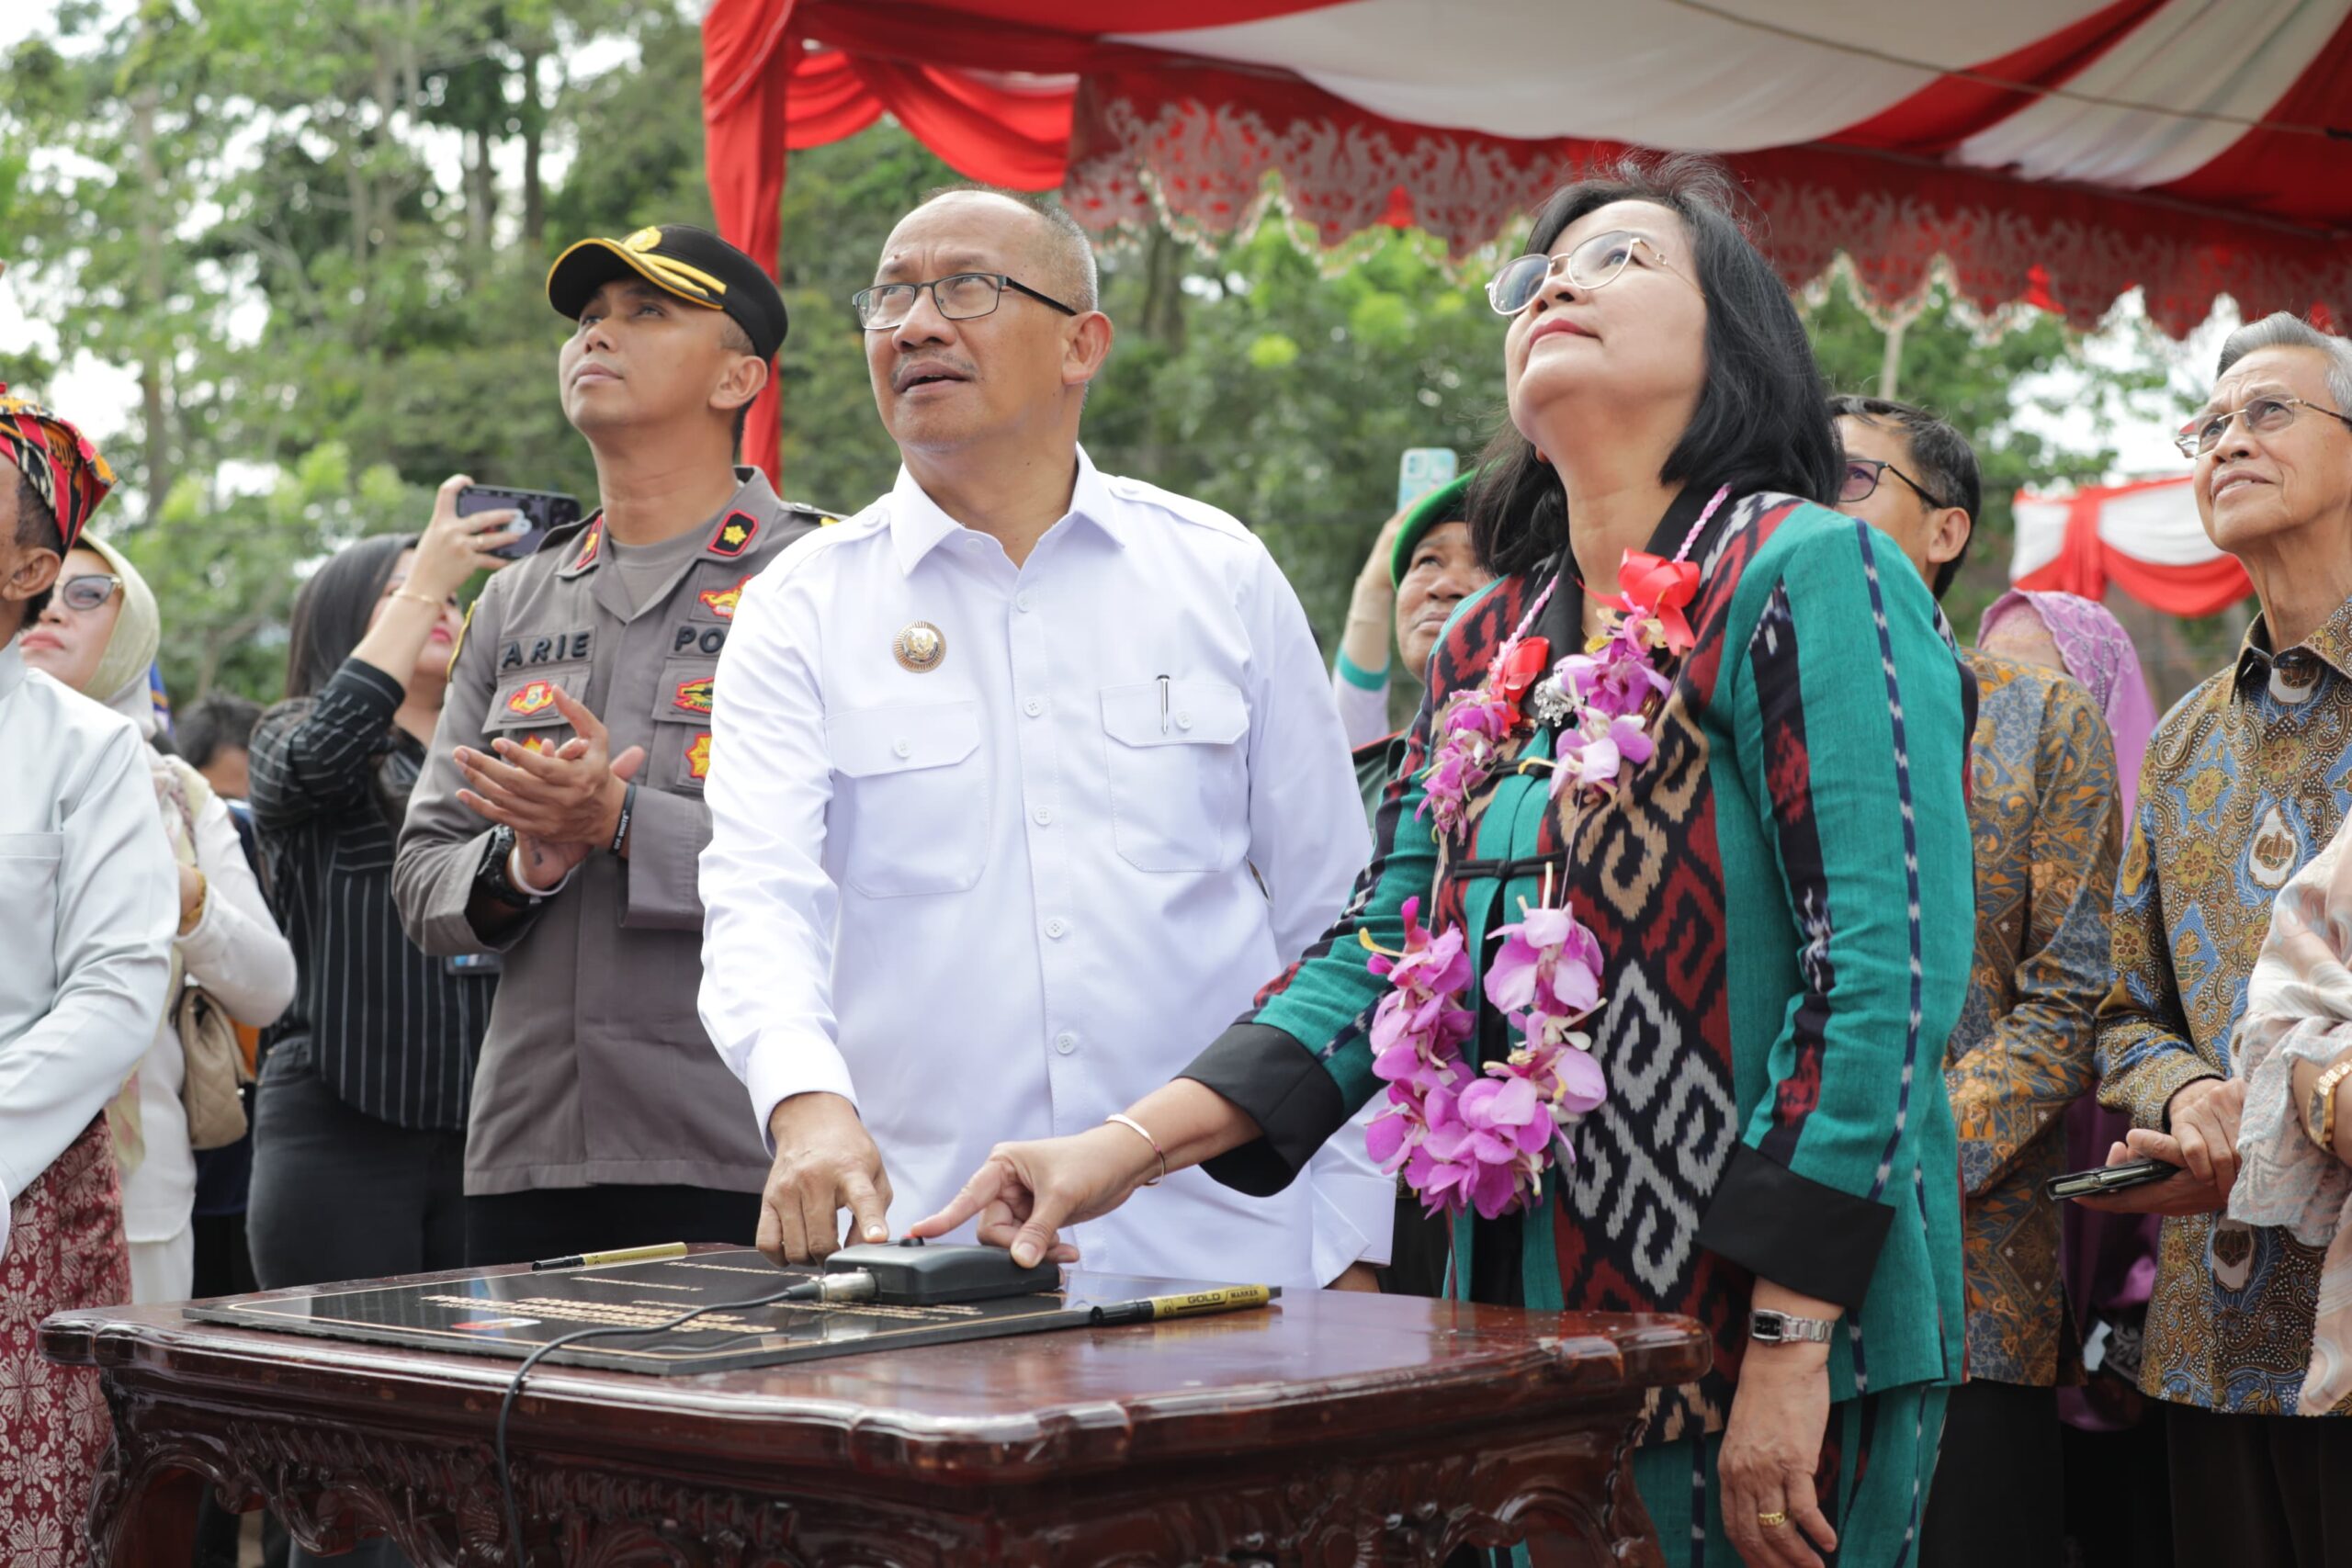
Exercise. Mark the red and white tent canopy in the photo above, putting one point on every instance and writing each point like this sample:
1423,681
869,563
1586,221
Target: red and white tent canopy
2144,538
2056,151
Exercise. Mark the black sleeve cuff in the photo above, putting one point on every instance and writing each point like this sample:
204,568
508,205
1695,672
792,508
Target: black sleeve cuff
1793,1231
1285,1090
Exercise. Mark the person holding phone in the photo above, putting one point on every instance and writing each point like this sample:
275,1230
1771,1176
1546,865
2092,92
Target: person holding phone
2243,783
558,815
1421,566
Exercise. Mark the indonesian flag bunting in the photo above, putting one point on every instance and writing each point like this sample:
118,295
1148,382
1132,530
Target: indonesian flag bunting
2144,538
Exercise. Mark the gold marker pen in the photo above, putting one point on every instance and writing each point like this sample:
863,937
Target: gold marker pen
1198,1304
623,1255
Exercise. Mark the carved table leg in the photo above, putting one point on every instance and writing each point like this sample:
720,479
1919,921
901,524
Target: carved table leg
141,1520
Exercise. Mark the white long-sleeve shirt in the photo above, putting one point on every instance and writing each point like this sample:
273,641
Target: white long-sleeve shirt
238,954
88,902
1010,894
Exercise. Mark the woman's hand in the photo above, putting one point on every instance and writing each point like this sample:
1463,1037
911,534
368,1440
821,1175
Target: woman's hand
453,548
1771,1449
1026,1193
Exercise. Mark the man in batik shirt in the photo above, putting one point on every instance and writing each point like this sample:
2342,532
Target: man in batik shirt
2041,810
2245,780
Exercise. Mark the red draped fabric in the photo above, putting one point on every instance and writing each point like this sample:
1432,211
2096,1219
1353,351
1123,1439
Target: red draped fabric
2100,148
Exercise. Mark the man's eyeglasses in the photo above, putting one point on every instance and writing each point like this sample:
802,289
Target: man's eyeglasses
1596,264
959,295
88,592
1862,474
2263,416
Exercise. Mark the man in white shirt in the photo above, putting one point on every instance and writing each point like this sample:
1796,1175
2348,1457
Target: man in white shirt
1021,780
89,896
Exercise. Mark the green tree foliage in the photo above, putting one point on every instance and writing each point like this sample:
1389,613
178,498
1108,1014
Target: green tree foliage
318,235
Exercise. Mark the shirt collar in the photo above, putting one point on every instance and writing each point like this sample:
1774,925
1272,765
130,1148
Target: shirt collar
727,535
917,525
2331,644
12,669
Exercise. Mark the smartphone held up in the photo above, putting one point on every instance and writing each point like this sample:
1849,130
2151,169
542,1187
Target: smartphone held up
540,512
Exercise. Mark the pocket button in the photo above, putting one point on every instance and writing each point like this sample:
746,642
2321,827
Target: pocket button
1183,721
902,747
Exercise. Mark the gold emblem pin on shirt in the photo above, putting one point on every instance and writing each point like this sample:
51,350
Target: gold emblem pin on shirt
920,648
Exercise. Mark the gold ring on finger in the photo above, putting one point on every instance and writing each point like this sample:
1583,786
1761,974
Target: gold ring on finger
1774,1519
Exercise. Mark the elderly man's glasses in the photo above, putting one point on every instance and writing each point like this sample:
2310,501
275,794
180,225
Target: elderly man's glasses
2263,416
1596,264
960,297
87,594
1862,474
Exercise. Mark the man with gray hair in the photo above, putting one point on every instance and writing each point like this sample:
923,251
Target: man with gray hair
2245,781
1021,781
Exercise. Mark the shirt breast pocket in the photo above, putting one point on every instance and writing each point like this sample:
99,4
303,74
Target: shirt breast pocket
681,704
524,707
910,801
1180,774
28,866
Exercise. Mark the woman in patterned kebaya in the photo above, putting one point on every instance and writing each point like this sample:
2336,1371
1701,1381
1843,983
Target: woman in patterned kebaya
1667,921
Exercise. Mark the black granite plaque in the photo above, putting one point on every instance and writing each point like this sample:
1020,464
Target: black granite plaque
514,1315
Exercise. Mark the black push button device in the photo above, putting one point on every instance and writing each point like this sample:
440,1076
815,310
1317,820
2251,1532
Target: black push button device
912,1273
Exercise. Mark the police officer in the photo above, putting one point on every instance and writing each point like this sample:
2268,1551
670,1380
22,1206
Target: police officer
559,817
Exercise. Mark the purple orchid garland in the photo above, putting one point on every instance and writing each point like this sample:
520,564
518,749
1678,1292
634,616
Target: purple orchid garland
1484,1140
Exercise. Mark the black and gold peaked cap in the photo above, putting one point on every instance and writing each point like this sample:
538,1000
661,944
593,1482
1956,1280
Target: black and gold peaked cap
692,263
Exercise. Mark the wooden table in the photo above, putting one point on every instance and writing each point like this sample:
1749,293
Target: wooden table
1333,1428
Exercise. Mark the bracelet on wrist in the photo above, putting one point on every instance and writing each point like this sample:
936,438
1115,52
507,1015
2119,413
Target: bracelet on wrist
1137,1129
411,593
629,808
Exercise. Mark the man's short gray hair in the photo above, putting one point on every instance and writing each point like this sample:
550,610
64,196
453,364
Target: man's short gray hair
2284,329
1076,282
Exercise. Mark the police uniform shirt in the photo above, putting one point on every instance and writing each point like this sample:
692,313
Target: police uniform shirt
996,849
595,1068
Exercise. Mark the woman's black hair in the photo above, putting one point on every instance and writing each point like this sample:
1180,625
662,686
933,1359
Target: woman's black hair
330,617
1763,421
331,610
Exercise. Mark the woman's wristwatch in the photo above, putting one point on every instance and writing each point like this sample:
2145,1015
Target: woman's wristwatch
1766,1326
2319,1111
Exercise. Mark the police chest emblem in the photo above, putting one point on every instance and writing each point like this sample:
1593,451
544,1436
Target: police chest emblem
698,756
536,697
692,696
920,648
721,602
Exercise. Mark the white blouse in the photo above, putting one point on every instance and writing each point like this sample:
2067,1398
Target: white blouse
88,902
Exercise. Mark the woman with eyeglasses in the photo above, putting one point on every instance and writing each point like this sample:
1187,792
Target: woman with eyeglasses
99,634
1660,910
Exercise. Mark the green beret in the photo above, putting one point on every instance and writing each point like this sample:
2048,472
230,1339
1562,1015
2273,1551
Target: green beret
1444,505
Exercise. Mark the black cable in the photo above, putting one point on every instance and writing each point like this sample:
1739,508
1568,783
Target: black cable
807,1291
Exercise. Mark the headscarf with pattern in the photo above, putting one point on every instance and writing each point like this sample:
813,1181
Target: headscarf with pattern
57,458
